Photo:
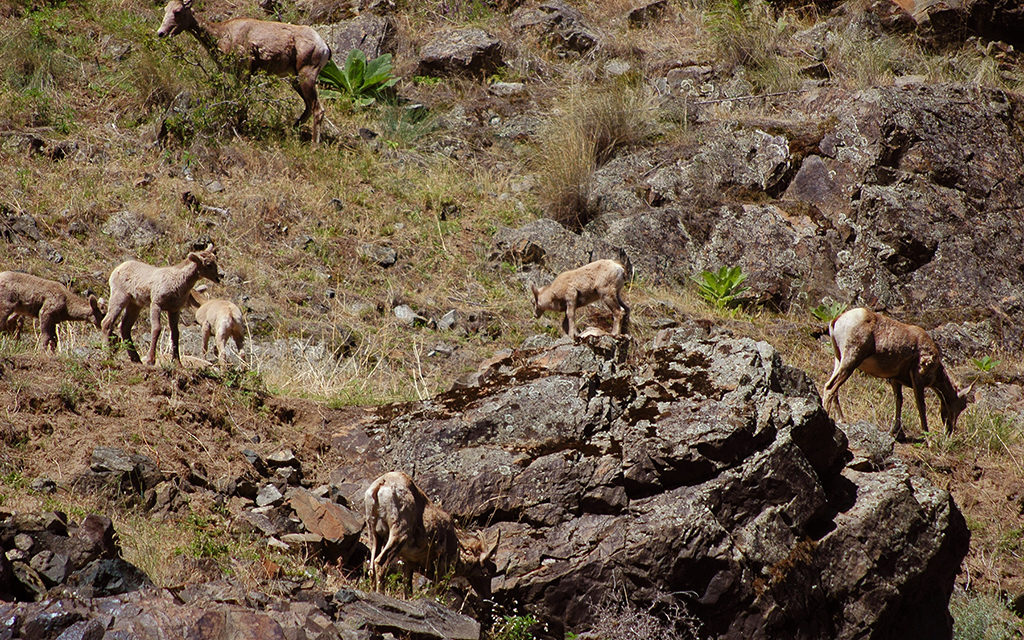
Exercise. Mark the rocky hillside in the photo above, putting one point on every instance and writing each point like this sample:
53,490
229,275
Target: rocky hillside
839,153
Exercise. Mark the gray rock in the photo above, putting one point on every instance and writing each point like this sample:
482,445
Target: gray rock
132,229
506,89
256,461
269,495
383,256
283,458
408,317
448,320
710,476
373,35
460,52
646,13
421,618
558,24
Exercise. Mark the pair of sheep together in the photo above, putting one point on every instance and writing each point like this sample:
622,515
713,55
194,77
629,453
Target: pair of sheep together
134,286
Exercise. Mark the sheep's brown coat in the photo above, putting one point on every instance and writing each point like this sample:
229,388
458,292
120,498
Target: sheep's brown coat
136,285
600,280
23,294
903,354
278,48
402,522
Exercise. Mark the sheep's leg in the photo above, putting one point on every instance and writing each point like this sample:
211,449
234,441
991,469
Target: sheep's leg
154,334
115,307
131,314
570,315
624,324
306,86
47,330
897,422
407,579
207,331
843,371
614,304
222,348
238,343
172,321
919,399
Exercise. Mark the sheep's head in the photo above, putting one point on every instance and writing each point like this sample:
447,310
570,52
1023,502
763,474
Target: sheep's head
207,262
177,18
951,411
476,562
99,309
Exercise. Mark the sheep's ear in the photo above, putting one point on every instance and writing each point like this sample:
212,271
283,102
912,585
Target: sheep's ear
486,555
535,291
102,304
195,257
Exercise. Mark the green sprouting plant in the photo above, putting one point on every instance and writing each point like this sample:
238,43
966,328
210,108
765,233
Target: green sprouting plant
985,363
363,81
828,311
514,628
723,288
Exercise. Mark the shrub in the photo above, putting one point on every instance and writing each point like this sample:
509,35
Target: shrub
828,311
985,363
744,32
978,616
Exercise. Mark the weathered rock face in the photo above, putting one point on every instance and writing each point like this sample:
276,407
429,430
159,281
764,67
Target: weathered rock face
707,476
467,52
897,198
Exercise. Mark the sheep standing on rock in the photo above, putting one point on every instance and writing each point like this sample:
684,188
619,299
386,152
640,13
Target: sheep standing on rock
223,320
136,285
22,294
600,280
403,522
904,354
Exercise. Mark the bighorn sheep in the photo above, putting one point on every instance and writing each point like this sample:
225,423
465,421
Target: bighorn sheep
402,521
135,285
600,280
903,354
223,320
22,294
274,47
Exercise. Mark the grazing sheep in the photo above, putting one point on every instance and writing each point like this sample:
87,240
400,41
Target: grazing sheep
274,47
904,354
403,522
600,280
223,320
135,285
22,294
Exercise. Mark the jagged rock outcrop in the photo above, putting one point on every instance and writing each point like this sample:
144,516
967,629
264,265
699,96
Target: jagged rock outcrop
466,52
702,476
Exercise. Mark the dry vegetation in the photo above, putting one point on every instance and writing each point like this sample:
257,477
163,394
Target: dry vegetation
131,124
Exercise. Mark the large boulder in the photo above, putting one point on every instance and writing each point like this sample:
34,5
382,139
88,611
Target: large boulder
706,477
460,52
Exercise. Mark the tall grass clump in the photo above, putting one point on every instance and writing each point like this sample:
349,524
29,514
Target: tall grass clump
744,32
585,132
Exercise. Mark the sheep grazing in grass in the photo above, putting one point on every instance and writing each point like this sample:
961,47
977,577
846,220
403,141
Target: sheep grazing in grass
222,319
402,521
277,48
903,354
136,285
600,280
25,295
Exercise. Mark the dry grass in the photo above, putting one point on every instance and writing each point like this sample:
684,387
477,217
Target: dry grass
584,131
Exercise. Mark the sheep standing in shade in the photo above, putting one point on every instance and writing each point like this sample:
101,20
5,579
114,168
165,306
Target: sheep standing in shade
404,523
600,280
136,285
26,295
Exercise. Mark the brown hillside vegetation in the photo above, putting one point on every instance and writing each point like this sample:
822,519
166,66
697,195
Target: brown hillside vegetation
841,153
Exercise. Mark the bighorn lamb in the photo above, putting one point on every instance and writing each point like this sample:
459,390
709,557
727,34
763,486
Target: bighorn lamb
135,285
223,320
403,522
22,294
274,47
600,280
903,354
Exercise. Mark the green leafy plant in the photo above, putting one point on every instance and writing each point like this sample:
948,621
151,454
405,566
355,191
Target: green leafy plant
514,628
723,288
363,81
828,311
985,363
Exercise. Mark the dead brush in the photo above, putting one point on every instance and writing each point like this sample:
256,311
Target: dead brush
583,133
